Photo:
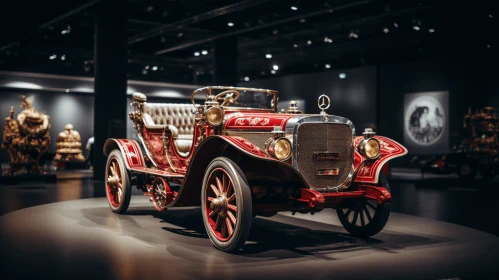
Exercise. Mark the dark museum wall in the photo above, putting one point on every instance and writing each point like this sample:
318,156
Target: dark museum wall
469,85
353,97
63,108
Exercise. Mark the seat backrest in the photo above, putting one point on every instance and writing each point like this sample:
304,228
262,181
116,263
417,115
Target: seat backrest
178,115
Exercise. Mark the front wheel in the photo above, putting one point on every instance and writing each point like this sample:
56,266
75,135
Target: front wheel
364,217
467,170
226,205
118,188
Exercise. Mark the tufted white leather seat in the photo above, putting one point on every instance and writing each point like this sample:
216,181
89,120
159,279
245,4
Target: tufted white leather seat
178,117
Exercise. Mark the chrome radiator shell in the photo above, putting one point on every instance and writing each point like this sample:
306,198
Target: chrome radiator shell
316,134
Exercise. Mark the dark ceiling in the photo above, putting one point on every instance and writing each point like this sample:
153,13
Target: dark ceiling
172,40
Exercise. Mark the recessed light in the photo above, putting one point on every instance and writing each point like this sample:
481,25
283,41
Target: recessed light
489,46
230,24
246,78
294,8
196,53
67,90
303,20
273,71
431,30
63,57
386,30
328,66
154,68
328,40
415,27
295,45
395,24
309,42
491,16
269,56
275,67
204,52
52,57
342,75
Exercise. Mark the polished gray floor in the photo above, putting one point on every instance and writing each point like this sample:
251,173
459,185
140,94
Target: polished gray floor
83,239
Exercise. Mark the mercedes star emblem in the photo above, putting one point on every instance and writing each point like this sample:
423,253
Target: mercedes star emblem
323,103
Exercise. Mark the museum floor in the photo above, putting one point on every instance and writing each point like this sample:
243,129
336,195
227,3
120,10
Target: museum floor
441,228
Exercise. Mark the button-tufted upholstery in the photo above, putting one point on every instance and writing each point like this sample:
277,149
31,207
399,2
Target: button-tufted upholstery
179,116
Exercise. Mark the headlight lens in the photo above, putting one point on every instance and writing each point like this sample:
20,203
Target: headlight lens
279,148
369,148
215,116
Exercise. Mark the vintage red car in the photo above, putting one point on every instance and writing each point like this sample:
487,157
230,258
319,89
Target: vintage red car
236,157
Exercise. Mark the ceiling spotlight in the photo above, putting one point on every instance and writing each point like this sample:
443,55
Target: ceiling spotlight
275,67
328,66
273,71
294,8
491,16
395,24
144,72
342,75
180,34
230,24
268,56
196,53
147,67
431,30
246,79
295,45
353,35
52,57
415,27
275,32
154,68
309,42
63,57
303,20
386,30
67,90
488,46
328,40
204,52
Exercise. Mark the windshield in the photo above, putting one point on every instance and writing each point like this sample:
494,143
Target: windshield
247,98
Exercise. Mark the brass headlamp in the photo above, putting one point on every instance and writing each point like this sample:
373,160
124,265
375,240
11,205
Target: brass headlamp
278,146
369,147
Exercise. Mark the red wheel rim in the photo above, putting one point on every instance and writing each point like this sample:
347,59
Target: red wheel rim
114,182
221,204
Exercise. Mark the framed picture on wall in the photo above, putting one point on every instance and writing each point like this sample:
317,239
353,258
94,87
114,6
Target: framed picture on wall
426,127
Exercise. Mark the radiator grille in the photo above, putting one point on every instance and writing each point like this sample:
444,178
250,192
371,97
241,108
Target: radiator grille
320,137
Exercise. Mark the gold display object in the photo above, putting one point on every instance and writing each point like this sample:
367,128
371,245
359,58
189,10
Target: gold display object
26,138
69,146
483,129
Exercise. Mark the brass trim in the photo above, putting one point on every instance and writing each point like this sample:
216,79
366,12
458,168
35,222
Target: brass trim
327,172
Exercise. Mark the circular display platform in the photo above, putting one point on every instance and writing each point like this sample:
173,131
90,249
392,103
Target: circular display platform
84,239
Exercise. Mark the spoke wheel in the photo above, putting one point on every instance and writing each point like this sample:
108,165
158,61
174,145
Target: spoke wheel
364,217
161,194
117,180
467,170
226,205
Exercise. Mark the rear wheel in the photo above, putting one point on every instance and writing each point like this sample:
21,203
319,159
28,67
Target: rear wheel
467,170
118,189
226,205
364,217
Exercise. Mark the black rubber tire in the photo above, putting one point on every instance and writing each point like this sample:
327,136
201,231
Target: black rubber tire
243,201
378,222
467,170
125,175
488,173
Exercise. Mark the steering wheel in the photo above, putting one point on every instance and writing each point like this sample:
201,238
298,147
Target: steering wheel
227,97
